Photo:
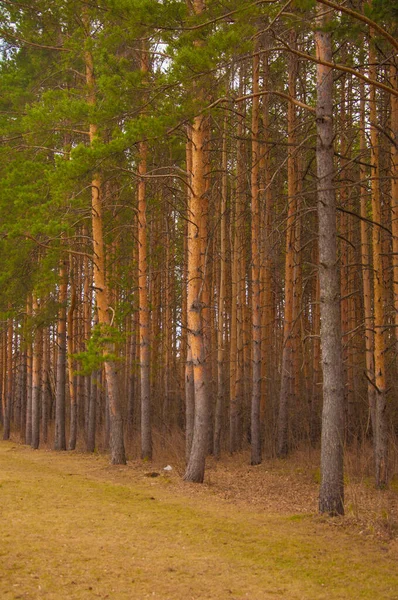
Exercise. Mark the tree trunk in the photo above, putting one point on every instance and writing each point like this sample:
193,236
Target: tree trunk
36,380
267,346
144,324
379,297
118,455
28,420
255,272
236,349
87,316
71,376
287,351
196,345
9,383
92,412
221,302
331,497
394,189
45,385
366,267
60,435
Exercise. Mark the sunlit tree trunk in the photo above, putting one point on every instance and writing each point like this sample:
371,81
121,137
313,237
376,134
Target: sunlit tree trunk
189,375
196,280
36,379
103,307
331,497
196,462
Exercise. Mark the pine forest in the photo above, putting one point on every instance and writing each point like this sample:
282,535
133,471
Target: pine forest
199,230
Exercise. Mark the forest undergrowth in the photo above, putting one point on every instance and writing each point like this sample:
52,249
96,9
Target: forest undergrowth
75,527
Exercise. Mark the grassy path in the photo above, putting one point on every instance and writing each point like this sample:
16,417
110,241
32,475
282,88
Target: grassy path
72,527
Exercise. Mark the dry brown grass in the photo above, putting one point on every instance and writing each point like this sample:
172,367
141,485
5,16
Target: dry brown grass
291,486
75,527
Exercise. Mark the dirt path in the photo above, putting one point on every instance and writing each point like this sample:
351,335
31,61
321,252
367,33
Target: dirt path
72,527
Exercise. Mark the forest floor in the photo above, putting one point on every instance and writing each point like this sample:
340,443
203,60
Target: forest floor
74,527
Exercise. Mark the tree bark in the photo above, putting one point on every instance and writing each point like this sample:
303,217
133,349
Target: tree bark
197,227
331,497
144,324
36,380
236,346
287,351
379,296
9,382
366,267
28,420
196,342
255,272
71,376
221,301
45,385
118,455
60,435
92,412
196,464
394,188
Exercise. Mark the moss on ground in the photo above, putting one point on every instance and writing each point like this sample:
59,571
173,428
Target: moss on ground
75,528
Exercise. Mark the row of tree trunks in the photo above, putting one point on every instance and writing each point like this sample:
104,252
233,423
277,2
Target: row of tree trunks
233,333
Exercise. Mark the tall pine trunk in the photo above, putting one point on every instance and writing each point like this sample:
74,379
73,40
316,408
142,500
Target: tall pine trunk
366,267
287,351
36,380
71,376
196,344
197,225
118,455
60,400
144,324
379,296
221,302
255,272
331,497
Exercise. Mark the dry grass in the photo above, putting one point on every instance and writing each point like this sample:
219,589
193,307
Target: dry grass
73,527
291,486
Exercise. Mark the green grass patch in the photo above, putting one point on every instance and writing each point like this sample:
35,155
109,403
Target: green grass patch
75,528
